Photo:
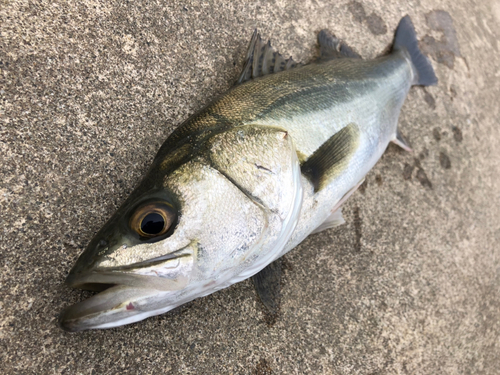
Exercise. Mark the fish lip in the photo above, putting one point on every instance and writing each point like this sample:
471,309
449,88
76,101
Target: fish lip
115,306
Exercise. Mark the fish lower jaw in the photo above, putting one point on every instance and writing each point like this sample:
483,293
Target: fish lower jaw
123,304
116,306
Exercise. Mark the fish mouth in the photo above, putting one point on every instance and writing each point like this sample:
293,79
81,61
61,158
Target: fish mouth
116,305
127,294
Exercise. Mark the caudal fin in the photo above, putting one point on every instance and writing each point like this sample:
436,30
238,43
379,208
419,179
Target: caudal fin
406,39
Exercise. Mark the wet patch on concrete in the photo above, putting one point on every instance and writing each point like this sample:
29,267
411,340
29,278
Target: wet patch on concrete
263,368
379,180
457,134
357,10
429,99
407,171
363,186
423,179
453,92
357,229
421,175
375,23
436,133
446,49
444,160
423,154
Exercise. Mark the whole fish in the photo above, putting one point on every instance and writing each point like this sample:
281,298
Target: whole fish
247,178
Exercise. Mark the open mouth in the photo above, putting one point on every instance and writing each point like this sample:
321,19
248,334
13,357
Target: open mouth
127,294
115,305
122,299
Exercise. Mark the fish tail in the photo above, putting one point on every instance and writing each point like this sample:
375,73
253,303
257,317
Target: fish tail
406,39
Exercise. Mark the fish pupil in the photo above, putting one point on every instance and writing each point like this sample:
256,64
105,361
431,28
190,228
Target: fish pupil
153,223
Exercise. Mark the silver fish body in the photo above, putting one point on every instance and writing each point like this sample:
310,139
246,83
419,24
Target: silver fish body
242,182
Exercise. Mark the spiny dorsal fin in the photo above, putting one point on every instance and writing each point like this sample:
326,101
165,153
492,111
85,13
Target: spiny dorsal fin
331,157
332,48
263,59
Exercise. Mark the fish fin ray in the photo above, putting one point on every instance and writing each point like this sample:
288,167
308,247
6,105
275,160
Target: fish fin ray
400,140
333,48
332,221
406,39
331,157
263,59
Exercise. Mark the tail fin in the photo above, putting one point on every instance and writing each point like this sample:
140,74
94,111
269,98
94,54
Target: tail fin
406,38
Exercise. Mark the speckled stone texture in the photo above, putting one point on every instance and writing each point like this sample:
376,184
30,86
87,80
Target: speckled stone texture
410,285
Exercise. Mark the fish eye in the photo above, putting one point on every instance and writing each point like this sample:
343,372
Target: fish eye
153,219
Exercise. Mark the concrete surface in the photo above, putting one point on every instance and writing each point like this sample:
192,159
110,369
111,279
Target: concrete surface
410,285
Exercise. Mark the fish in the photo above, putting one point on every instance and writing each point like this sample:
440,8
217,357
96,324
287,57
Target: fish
247,178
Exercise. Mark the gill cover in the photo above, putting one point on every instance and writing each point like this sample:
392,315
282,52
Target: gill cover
221,216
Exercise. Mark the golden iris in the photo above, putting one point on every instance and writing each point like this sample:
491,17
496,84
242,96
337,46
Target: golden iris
153,219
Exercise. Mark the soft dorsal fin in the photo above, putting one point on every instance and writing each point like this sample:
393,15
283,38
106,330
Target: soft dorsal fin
263,59
332,48
332,157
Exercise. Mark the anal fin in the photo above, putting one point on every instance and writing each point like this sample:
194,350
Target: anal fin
400,140
332,157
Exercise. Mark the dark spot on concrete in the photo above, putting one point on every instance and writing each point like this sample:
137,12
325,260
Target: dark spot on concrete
417,162
453,92
407,171
457,134
285,265
446,48
429,99
444,160
357,229
357,10
436,133
376,24
423,154
434,48
363,186
422,177
263,368
378,180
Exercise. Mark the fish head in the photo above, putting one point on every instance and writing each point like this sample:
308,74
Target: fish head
187,231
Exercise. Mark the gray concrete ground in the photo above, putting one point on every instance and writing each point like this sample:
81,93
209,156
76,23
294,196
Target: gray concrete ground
410,285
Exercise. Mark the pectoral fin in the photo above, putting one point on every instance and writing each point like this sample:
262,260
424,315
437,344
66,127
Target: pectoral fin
332,157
